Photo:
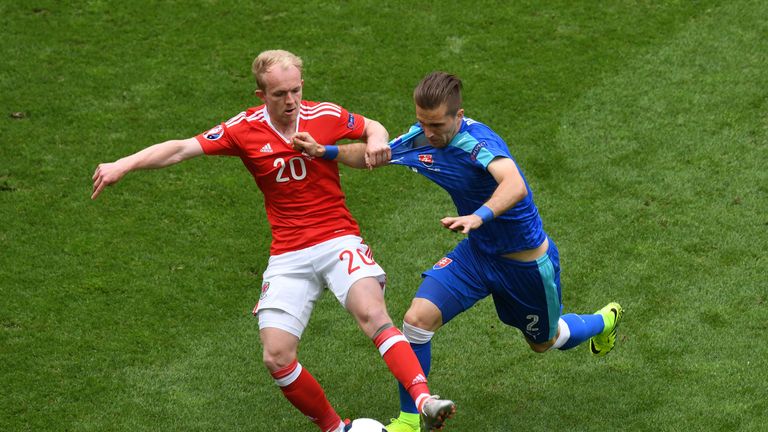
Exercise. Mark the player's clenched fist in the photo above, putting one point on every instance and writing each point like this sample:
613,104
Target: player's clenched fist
377,153
303,142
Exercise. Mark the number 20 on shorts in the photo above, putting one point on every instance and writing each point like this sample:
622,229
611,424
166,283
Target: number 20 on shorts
365,257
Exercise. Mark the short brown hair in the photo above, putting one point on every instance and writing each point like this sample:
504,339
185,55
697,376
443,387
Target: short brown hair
267,59
438,88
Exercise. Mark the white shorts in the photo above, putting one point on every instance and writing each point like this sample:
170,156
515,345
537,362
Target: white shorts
294,281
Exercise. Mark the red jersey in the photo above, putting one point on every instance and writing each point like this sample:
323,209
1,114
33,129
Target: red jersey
302,195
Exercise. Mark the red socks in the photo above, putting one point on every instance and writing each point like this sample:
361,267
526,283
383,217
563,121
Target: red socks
305,393
402,362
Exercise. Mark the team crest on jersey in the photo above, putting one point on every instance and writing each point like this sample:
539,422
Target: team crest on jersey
475,151
214,134
426,160
264,289
444,261
351,121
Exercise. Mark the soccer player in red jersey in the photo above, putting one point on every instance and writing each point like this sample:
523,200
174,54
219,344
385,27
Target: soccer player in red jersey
315,241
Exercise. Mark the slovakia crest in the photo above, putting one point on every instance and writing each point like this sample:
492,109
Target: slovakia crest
444,261
426,159
214,134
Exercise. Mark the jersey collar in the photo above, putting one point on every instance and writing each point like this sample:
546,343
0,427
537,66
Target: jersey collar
269,122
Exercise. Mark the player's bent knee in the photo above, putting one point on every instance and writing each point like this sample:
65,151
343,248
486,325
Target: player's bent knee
420,321
374,316
424,315
276,360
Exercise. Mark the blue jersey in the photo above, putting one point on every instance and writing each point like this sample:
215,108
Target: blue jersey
461,169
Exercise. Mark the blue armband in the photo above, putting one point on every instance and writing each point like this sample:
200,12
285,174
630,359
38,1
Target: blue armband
331,151
485,213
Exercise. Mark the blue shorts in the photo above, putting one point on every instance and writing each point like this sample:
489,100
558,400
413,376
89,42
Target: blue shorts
526,294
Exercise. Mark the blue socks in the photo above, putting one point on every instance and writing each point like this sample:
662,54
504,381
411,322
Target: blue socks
424,354
578,329
581,327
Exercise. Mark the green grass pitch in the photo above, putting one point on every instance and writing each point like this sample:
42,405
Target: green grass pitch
642,127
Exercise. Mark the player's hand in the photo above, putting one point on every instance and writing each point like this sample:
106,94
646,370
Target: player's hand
377,154
303,142
105,175
464,224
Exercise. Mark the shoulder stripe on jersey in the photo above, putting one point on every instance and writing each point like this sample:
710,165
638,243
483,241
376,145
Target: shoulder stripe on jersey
309,113
235,120
320,106
319,114
467,142
258,115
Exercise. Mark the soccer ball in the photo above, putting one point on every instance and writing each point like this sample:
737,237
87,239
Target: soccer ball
365,425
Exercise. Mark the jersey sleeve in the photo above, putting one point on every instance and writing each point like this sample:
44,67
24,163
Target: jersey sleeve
219,140
488,147
485,152
350,125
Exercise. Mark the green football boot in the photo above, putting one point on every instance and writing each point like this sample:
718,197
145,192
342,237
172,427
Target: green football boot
407,422
603,343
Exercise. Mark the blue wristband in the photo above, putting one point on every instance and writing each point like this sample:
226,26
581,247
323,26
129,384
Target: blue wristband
331,151
485,213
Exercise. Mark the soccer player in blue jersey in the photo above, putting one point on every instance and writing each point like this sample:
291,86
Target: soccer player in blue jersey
507,254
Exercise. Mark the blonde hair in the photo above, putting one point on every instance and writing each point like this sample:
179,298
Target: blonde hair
267,59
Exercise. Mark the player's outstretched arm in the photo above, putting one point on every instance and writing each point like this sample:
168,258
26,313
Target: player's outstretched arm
349,154
156,156
353,155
